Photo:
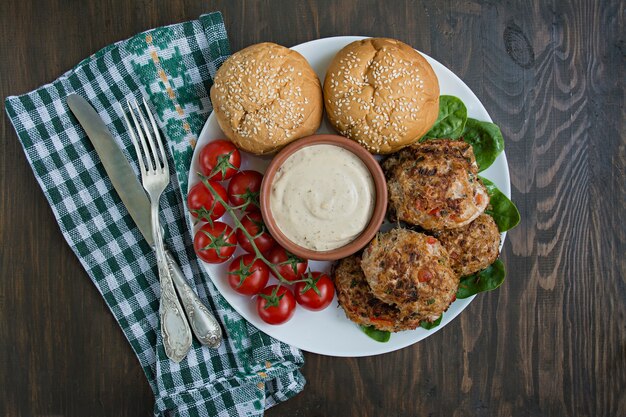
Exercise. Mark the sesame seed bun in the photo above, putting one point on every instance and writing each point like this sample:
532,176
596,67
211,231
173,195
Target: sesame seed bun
381,93
266,96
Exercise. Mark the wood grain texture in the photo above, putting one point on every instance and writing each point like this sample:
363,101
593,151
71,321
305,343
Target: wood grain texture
550,342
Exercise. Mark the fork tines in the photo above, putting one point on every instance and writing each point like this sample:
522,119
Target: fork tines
154,164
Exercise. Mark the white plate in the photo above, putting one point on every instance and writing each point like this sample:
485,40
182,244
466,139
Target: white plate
329,332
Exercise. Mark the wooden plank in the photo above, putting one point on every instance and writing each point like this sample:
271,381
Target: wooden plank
550,341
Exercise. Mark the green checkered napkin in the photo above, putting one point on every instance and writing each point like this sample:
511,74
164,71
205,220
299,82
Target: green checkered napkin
173,68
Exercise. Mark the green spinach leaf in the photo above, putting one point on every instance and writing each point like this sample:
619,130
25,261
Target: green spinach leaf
378,335
451,119
501,208
488,279
486,140
431,325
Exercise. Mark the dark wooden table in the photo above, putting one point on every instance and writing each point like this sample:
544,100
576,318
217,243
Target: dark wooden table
550,342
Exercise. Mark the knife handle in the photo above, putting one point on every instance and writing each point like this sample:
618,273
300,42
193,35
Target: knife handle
204,325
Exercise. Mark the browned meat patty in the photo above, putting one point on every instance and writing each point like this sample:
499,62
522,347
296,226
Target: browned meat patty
411,271
474,247
355,296
434,184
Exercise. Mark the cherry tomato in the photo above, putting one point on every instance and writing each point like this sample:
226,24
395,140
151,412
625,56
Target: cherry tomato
289,265
244,188
316,293
248,276
215,243
253,223
219,160
275,305
202,204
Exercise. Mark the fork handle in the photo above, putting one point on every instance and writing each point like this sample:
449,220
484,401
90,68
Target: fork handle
203,323
174,326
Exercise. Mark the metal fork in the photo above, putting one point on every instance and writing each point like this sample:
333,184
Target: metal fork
155,177
204,325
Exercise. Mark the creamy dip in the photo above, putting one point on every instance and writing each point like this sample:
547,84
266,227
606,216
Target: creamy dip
322,197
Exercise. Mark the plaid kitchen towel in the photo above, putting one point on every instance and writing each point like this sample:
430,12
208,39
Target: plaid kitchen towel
173,68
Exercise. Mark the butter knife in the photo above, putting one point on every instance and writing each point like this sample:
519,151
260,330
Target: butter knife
204,325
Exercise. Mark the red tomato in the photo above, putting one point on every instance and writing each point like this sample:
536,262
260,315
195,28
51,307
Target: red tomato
289,265
253,223
215,243
248,276
244,188
424,275
219,160
316,293
275,304
202,204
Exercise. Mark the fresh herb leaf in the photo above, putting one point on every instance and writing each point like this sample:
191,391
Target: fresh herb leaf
452,122
451,119
503,210
486,140
431,325
488,279
381,336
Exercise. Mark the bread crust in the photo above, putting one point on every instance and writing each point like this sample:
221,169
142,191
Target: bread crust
381,93
266,96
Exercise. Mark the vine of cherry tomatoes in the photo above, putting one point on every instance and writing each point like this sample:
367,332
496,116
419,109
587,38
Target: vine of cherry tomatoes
215,242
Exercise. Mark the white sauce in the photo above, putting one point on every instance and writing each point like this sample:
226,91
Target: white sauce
322,197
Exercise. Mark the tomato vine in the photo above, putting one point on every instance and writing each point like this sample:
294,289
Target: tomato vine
231,210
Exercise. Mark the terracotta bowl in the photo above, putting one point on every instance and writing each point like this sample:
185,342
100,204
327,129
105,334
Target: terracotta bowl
380,206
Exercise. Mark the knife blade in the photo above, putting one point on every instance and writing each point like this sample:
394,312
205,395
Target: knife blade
115,164
131,192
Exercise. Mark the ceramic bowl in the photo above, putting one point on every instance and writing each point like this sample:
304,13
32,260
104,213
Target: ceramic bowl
380,205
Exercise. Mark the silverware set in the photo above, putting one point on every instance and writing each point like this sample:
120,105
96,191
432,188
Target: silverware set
181,311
